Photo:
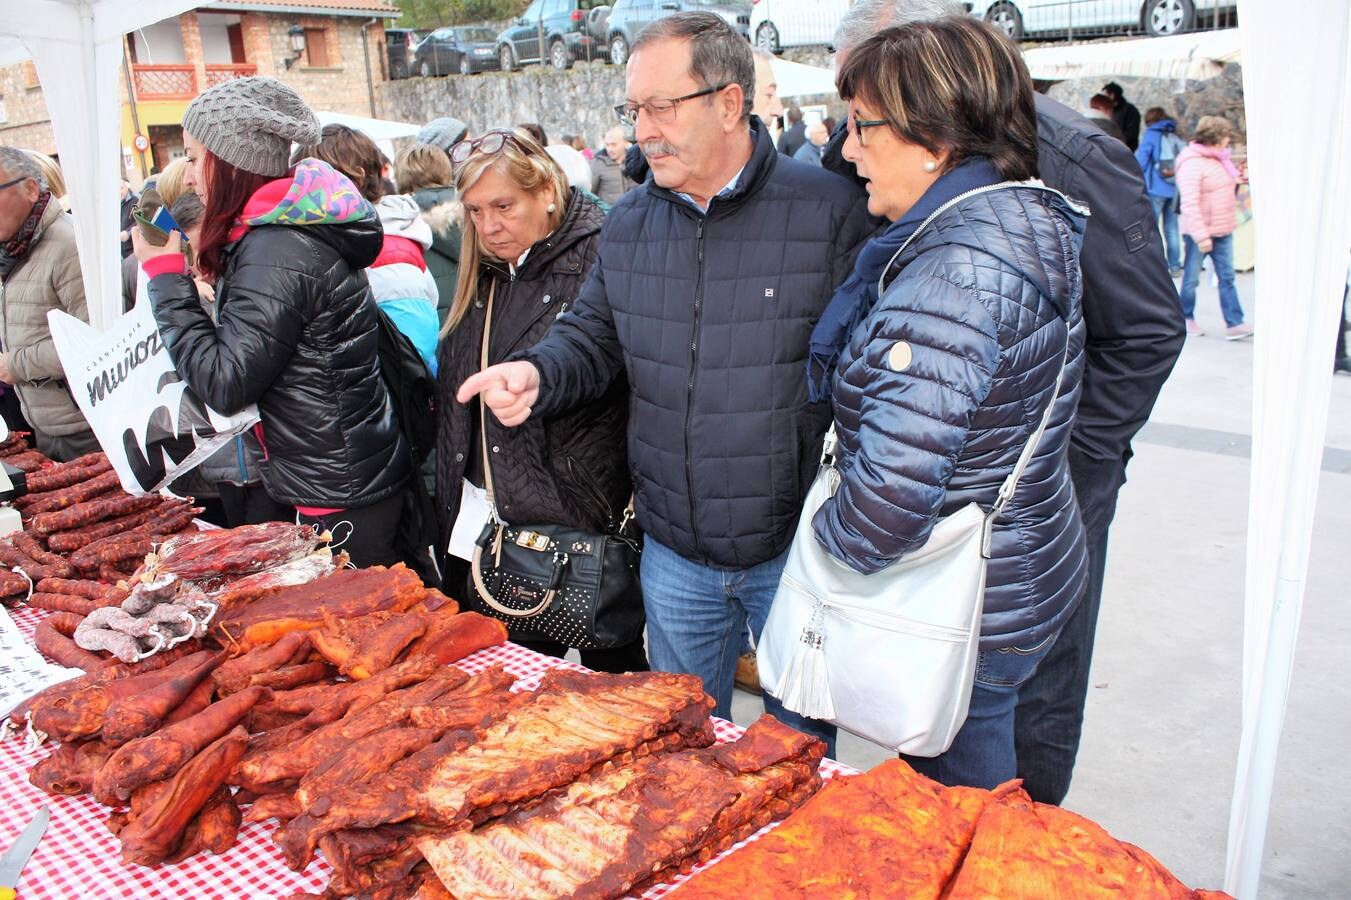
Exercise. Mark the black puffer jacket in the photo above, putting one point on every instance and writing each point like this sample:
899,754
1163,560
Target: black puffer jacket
566,470
710,316
297,335
983,305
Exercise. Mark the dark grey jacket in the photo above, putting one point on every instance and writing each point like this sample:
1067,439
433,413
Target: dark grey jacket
710,315
987,301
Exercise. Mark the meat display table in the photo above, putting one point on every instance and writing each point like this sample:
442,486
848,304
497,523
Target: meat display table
79,857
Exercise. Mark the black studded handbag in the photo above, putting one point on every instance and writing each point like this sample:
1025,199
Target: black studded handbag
552,582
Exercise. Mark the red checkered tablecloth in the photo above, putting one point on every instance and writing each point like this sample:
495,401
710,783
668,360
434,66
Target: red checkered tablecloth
79,857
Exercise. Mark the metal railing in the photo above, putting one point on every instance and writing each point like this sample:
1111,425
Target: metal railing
219,74
160,82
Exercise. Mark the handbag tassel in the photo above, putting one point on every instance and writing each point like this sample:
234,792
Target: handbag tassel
805,681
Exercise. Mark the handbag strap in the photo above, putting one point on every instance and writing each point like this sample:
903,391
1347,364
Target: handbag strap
1010,485
482,409
476,564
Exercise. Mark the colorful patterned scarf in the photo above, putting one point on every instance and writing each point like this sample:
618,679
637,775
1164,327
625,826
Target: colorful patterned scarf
15,250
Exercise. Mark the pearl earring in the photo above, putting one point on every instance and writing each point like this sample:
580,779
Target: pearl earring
930,166
552,207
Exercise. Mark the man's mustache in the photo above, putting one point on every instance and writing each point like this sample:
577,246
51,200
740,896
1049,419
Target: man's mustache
658,148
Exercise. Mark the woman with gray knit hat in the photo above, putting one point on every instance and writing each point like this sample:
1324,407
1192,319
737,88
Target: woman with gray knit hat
296,327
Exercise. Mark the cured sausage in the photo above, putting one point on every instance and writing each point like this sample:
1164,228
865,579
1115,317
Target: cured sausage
86,489
29,544
66,541
80,588
91,511
42,483
53,639
80,606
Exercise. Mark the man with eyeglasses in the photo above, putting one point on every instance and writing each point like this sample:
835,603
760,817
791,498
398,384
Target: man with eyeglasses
40,271
710,278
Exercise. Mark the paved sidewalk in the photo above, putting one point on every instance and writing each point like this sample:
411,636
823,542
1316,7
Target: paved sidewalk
1161,735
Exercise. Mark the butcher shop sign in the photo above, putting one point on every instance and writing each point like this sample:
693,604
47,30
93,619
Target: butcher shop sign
150,423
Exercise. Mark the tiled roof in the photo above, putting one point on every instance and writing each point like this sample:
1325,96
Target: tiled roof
334,7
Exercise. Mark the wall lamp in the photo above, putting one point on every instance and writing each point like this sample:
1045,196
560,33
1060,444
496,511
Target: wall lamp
296,35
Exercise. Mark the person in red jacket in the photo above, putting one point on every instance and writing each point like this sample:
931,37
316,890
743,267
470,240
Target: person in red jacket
1206,182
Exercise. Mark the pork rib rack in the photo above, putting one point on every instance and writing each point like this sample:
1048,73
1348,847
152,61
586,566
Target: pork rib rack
572,723
630,823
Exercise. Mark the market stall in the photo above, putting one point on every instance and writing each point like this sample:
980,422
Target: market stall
239,712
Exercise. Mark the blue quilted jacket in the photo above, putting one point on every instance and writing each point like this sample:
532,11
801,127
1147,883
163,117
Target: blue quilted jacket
710,316
984,299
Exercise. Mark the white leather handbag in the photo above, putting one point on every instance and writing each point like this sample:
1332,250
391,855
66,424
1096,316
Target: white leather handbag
890,656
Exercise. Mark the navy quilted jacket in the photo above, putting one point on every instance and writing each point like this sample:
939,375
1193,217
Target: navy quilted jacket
984,299
710,317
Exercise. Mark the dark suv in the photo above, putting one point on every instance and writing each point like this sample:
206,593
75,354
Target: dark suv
556,30
466,49
629,17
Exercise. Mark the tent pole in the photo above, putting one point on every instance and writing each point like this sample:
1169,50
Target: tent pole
131,100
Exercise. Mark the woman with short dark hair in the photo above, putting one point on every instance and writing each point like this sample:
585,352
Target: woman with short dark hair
959,328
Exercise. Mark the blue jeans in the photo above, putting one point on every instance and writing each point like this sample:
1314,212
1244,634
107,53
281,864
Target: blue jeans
983,755
696,616
1050,718
1165,212
1222,256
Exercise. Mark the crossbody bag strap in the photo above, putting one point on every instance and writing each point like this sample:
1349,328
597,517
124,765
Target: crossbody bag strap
476,567
1010,485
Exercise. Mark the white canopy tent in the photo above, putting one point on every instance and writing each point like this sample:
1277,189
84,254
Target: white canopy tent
77,48
383,131
800,80
1195,56
1303,232
375,129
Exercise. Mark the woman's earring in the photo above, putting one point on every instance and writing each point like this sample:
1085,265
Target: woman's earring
552,207
930,166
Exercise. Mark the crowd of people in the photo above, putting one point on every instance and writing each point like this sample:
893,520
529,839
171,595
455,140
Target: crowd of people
667,324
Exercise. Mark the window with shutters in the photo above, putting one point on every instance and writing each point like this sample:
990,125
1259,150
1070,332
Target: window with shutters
317,49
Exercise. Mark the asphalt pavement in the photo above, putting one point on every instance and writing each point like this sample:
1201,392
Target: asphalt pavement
1161,732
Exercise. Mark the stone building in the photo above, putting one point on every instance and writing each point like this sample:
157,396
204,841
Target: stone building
331,51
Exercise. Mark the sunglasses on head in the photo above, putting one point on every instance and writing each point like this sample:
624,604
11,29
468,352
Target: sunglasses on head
488,144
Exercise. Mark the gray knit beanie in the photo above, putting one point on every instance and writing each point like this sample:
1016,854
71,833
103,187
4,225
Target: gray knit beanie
444,132
251,122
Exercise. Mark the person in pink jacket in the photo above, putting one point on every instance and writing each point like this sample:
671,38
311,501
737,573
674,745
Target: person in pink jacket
1206,181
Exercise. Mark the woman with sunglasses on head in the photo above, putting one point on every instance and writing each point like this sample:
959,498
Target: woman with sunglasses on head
944,351
529,243
296,326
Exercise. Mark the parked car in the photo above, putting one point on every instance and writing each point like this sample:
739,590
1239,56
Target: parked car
556,30
399,44
629,17
1022,18
776,24
465,49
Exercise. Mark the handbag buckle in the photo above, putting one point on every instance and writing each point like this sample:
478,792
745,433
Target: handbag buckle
828,447
533,540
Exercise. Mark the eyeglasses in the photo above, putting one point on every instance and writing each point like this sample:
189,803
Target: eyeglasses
857,126
489,144
10,184
661,111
